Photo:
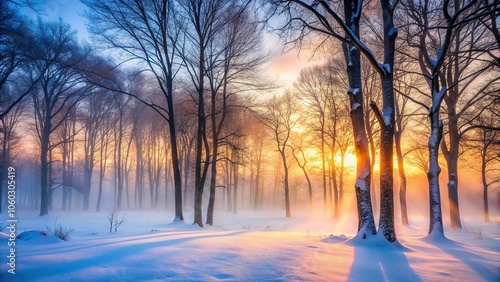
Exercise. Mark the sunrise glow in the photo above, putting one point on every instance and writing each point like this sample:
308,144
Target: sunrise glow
210,140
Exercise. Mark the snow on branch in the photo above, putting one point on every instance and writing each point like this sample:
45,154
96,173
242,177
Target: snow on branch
353,91
352,37
386,68
393,32
437,98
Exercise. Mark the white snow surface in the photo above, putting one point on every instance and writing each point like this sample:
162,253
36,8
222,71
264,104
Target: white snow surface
248,246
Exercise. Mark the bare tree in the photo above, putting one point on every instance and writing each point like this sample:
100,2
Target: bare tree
9,135
484,140
138,134
490,160
406,82
323,17
465,65
280,116
105,141
119,137
434,35
55,93
203,21
15,51
154,160
233,60
298,153
64,139
94,110
147,32
343,141
235,144
186,126
315,85
254,159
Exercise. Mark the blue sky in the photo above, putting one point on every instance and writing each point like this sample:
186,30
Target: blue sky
68,10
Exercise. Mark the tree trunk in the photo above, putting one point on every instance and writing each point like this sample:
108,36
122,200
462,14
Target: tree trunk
119,168
200,135
87,185
341,182
174,153
216,129
451,156
366,223
486,211
402,179
187,165
235,183
139,183
127,167
44,205
309,186
3,162
323,167
213,178
258,197
436,219
373,152
287,190
44,166
386,220
453,190
229,181
64,157
335,183
102,171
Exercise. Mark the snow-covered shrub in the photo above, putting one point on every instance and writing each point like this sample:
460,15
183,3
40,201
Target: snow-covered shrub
61,232
114,220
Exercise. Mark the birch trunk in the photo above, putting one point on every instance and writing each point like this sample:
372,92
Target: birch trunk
436,219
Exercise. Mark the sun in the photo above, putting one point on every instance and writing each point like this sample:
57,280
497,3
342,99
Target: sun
350,160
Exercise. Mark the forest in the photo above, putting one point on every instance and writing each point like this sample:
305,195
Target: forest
179,105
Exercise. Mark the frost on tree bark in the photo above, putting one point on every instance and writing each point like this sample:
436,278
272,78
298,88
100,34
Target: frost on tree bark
386,121
433,28
366,222
436,219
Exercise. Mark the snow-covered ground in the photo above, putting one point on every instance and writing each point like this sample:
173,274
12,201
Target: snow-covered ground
248,246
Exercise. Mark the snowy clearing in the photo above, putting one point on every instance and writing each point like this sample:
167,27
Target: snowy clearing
249,246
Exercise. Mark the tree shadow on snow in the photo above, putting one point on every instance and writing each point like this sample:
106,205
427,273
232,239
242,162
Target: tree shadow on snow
468,256
375,259
117,252
104,241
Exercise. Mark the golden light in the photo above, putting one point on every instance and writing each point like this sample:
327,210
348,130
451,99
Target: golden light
350,160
